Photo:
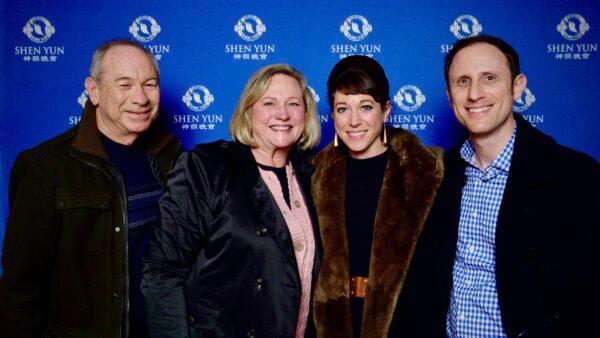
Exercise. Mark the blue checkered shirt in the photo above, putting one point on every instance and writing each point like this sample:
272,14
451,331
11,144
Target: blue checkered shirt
474,309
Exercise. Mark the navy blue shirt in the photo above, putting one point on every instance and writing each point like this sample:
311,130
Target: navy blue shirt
143,192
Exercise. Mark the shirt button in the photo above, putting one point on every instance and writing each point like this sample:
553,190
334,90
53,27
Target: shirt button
297,203
298,247
116,295
469,282
117,229
461,317
471,249
474,214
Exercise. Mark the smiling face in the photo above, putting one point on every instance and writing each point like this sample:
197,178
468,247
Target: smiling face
482,92
126,94
358,120
278,116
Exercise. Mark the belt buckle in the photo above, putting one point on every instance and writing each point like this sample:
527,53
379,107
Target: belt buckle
358,286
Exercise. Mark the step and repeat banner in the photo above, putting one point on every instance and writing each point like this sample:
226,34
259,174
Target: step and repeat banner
207,50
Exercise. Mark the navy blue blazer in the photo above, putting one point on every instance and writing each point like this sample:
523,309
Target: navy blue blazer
546,245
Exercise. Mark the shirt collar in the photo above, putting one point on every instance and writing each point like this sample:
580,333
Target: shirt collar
502,162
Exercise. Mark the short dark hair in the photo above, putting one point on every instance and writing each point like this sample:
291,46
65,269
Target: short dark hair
358,74
100,52
509,52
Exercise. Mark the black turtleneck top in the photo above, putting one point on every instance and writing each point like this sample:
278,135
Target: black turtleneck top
364,179
282,177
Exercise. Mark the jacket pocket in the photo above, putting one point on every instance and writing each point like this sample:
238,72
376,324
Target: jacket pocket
85,216
73,199
202,320
59,331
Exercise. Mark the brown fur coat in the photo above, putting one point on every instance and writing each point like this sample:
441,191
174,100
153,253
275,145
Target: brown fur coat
412,176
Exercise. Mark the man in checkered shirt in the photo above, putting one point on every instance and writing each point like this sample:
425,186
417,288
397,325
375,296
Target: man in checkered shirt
510,247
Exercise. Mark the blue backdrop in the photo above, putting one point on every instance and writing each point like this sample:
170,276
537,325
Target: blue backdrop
207,50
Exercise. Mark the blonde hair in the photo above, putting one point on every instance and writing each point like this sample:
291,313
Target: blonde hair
240,126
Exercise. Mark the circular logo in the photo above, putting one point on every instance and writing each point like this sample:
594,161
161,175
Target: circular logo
82,99
249,27
198,98
572,27
409,98
144,28
465,26
314,94
524,102
38,29
356,27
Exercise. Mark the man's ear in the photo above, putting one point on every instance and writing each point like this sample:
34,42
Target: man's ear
92,88
519,86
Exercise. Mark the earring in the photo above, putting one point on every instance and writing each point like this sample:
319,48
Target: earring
384,134
335,140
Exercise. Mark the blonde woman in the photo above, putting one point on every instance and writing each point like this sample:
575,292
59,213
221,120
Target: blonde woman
238,248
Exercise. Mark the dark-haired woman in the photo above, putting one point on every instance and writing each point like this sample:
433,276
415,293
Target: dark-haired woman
373,188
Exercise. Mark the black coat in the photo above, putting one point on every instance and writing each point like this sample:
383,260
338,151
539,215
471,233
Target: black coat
546,245
222,263
64,254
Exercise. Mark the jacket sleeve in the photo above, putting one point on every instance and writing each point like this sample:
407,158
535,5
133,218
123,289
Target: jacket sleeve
185,214
29,252
580,311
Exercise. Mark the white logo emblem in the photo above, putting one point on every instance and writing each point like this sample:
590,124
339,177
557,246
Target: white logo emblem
409,98
572,27
38,29
249,27
314,94
82,99
465,26
524,102
356,27
144,28
198,98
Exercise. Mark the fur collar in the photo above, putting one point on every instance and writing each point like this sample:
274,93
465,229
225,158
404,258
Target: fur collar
412,175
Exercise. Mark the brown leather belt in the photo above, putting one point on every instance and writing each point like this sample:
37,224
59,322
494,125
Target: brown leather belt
358,286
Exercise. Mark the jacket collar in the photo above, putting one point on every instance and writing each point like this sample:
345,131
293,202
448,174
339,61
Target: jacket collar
529,163
88,137
242,164
245,163
531,158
